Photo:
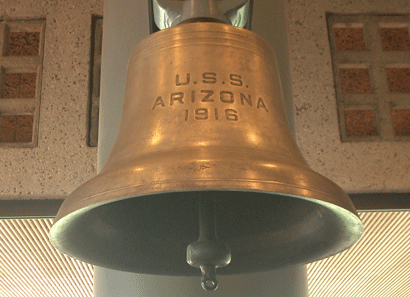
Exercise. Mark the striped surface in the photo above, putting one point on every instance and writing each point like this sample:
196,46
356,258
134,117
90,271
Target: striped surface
30,266
378,265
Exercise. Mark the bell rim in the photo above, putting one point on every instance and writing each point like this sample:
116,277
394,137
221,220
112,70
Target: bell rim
354,222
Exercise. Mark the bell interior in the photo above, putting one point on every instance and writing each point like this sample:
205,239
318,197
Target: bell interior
149,234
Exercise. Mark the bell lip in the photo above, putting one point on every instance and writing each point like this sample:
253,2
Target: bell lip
323,192
131,192
62,214
81,197
350,217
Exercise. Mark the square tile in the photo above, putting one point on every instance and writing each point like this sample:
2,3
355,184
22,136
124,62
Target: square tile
401,122
24,128
8,128
360,123
355,80
349,39
398,80
20,85
28,85
11,85
23,43
395,39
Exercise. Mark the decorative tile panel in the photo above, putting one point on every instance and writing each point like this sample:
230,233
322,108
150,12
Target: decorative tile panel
20,80
371,66
360,122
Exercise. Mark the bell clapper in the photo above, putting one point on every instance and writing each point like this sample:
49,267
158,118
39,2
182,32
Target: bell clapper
208,279
208,253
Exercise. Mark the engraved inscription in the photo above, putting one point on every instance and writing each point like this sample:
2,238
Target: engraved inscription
159,102
176,97
226,97
187,81
216,114
208,78
234,94
207,97
200,114
246,99
261,104
231,114
236,80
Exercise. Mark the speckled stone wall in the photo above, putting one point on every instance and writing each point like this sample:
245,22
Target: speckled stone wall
62,160
358,167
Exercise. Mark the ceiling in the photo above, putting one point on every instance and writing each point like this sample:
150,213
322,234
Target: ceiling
377,265
30,266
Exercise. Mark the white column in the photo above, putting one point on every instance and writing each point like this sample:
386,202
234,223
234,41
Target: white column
287,282
269,21
125,24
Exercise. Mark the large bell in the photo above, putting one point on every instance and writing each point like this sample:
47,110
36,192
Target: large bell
203,117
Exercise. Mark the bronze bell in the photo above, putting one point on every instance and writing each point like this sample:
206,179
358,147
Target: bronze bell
204,120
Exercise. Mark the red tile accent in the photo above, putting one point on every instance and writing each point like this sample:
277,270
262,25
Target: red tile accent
28,85
349,39
401,122
395,39
16,129
23,44
360,123
398,80
20,85
355,80
7,128
24,128
12,85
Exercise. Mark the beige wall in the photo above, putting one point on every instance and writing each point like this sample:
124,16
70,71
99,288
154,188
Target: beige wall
62,160
356,167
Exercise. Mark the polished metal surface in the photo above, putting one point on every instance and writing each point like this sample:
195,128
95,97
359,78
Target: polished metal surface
208,253
203,116
168,13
